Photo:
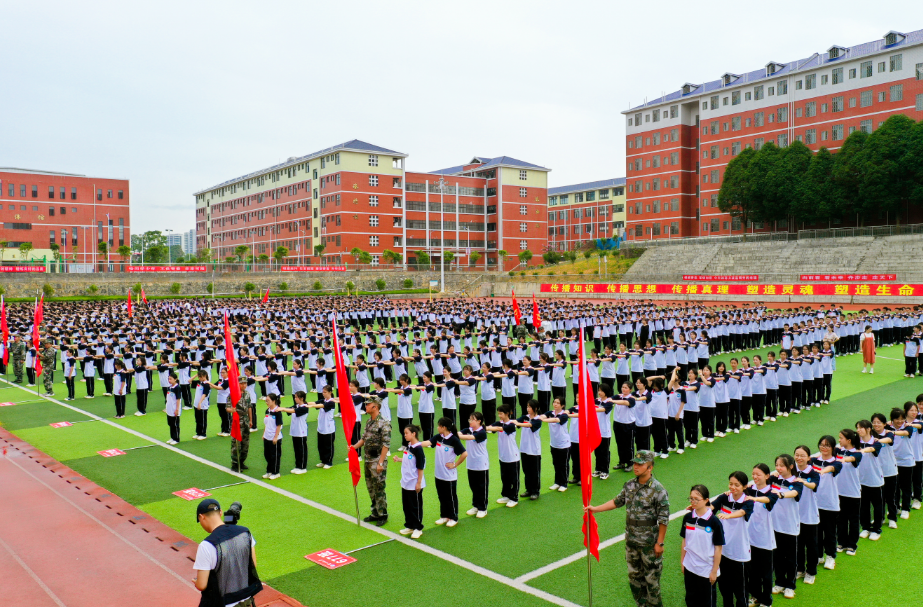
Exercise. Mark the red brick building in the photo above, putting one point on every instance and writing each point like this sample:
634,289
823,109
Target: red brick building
358,195
678,146
76,212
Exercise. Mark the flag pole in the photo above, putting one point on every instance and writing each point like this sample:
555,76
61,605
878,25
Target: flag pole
589,577
356,495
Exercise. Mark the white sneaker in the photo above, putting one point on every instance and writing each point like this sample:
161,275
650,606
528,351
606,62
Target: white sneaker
820,561
797,411
441,521
789,593
405,531
562,489
746,426
875,537
603,476
200,437
472,512
809,579
872,371
915,505
709,440
171,442
664,456
736,430
481,513
905,514
799,575
777,589
555,487
687,444
321,465
512,504
830,563
273,477
785,414
503,500
266,475
864,534
759,423
892,524
327,466
693,445
865,370
817,405
772,419
680,451
298,471
416,534
451,523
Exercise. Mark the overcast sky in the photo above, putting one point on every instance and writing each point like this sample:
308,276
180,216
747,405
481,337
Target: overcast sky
179,96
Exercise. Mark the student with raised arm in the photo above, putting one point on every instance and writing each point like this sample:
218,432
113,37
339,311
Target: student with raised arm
850,491
885,437
734,510
477,464
298,430
450,453
272,436
762,535
808,514
871,483
786,523
413,462
530,448
827,466
557,420
700,553
509,456
675,406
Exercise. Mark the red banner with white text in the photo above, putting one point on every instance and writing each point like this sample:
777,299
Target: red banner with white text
866,289
719,277
167,268
22,268
847,277
313,268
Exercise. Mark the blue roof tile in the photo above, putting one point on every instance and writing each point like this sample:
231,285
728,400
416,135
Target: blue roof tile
590,185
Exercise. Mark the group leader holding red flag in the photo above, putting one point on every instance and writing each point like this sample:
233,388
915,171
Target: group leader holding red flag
647,513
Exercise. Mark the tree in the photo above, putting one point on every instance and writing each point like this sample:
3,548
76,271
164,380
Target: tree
502,255
283,286
240,251
156,254
230,259
249,287
355,252
210,287
92,289
280,253
885,180
55,251
773,184
551,257
350,286
3,245
587,254
319,250
475,256
380,284
124,251
736,195
137,288
204,255
524,256
816,197
846,174
408,283
175,288
263,258
423,258
914,163
47,289
317,286
790,182
448,258
389,256
24,250
365,257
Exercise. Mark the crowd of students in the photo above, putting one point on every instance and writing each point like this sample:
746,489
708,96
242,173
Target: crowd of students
784,521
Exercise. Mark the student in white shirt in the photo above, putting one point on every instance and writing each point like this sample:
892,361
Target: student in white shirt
173,408
449,454
413,462
530,447
509,456
700,553
557,420
298,430
272,436
734,510
477,464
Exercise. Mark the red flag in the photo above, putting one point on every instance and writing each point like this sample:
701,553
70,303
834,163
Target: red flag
347,408
129,303
40,311
5,330
589,439
266,295
516,313
536,319
234,385
143,296
36,361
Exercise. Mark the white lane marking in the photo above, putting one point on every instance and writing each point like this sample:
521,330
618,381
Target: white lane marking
33,575
346,517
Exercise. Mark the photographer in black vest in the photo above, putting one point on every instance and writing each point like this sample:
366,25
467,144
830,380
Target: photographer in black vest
225,562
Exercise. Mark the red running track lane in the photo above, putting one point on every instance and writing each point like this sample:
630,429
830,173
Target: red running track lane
66,542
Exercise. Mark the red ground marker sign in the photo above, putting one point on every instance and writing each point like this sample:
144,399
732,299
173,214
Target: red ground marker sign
331,559
191,494
111,452
60,424
7,404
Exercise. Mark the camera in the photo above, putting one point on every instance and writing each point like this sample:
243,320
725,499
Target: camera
232,514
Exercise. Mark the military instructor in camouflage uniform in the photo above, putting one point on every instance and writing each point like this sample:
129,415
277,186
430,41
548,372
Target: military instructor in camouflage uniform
18,356
377,442
240,448
647,514
48,357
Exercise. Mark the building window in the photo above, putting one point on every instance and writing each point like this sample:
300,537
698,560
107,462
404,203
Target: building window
758,119
51,211
656,116
782,85
836,104
523,245
735,123
865,98
99,194
896,63
63,210
866,126
919,106
758,92
782,114
837,132
108,193
373,201
823,79
121,195
837,76
523,175
523,192
714,102
823,108
810,81
735,98
897,92
51,192
373,181
373,241
523,227
810,136
373,160
523,210
35,191
881,67
674,111
865,69
63,193
810,109
823,135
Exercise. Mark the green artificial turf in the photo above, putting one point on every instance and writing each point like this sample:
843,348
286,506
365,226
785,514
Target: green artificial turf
511,542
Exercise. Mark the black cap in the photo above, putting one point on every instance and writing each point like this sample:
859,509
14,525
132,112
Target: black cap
206,506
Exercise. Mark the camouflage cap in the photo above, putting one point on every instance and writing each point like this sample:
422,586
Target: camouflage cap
373,400
643,457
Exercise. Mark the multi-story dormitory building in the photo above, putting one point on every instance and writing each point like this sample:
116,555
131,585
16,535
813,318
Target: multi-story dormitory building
360,195
679,145
585,211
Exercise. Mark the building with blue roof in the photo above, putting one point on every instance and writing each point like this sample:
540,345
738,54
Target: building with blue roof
583,212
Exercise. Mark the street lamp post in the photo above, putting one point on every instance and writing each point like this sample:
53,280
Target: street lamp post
441,182
169,247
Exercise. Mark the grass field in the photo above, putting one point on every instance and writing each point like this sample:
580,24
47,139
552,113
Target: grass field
495,557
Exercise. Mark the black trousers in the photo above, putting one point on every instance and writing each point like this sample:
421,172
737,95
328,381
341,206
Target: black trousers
871,508
119,403
325,448
201,421
403,422
848,524
523,401
448,499
745,403
659,433
413,508
186,395
107,382
917,479
141,399
903,492
826,533
642,438
807,549
532,471
426,423
225,418
691,425
759,407
785,559
890,497
827,385
489,410
91,385
464,414
707,416
509,480
797,400
675,433
733,582
173,423
575,460
560,460
602,455
734,414
760,575
624,443
69,381
273,454
785,399
300,447
479,481
700,592
721,417
772,402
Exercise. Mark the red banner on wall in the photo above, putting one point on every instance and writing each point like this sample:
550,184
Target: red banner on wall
741,277
852,277
167,268
313,268
867,289
22,268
